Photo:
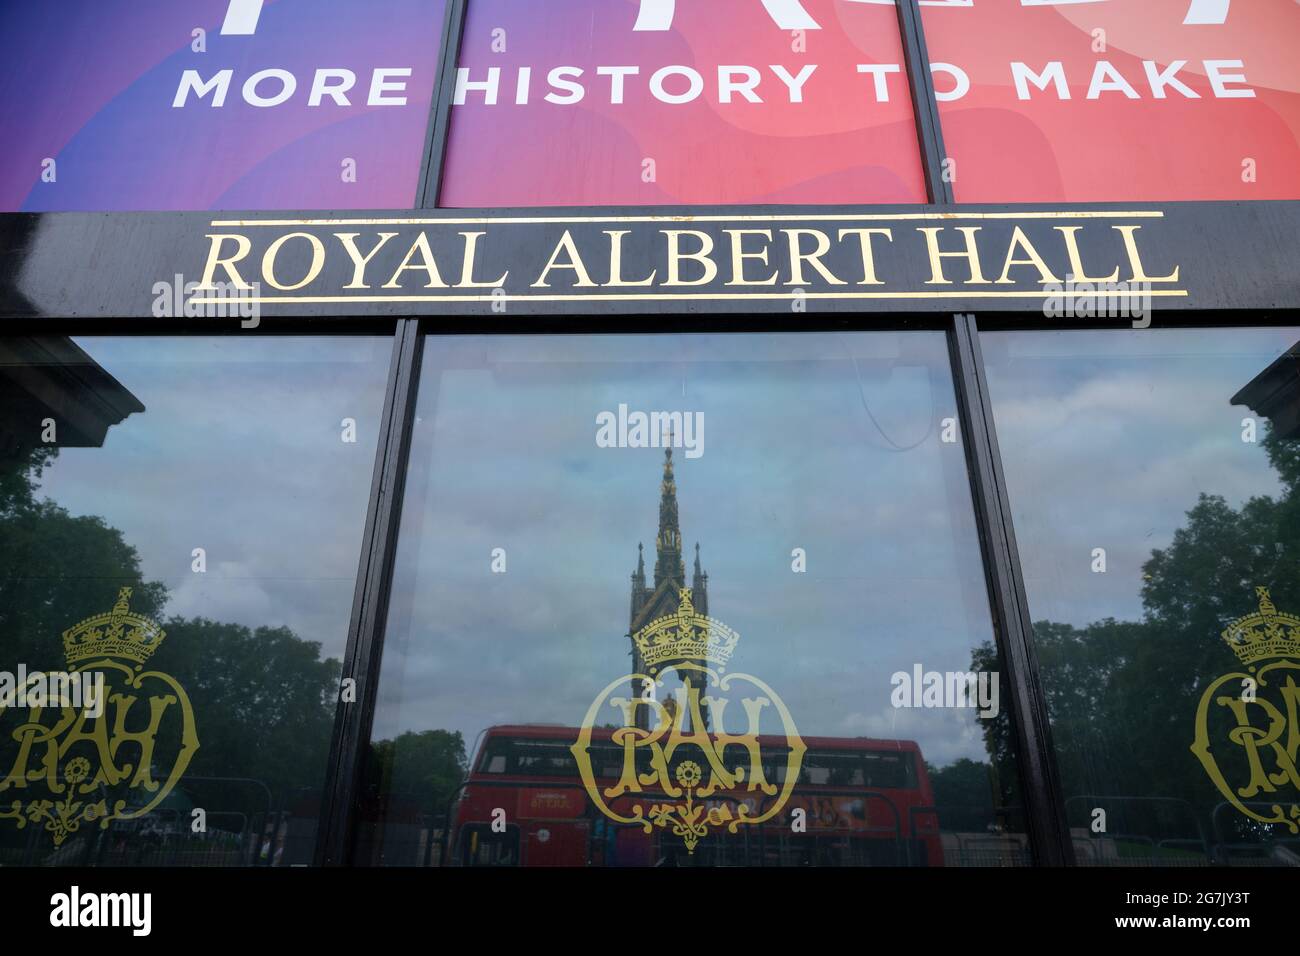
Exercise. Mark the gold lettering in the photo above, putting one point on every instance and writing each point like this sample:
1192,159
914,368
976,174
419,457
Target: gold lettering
1254,739
144,739
675,256
868,255
313,270
1076,259
467,267
738,256
107,749
243,245
575,263
616,261
630,738
360,262
30,734
798,258
427,263
1135,259
971,255
1020,241
720,777
747,741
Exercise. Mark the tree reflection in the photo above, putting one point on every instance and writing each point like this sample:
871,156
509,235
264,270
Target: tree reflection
1123,695
263,696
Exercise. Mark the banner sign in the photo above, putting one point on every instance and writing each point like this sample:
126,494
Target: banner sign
215,104
1056,261
324,104
650,102
656,102
1113,100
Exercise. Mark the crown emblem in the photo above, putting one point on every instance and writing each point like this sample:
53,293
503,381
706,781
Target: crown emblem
116,633
1264,634
685,635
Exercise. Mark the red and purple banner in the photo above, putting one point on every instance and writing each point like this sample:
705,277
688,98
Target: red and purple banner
324,104
215,104
1118,100
642,102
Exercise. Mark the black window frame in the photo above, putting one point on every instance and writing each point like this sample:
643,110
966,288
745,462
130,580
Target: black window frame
1044,810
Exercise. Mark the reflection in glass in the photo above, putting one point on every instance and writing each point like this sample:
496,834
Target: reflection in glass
181,516
680,640
1153,476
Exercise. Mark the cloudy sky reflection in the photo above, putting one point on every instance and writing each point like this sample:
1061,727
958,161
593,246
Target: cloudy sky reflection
824,442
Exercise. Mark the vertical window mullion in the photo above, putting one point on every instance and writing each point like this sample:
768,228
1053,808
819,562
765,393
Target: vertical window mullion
440,114
925,106
353,719
1040,777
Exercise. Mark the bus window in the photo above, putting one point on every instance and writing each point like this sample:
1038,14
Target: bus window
891,771
833,770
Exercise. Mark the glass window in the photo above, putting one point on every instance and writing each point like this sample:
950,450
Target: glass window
215,104
1117,100
592,102
1153,479
689,600
180,525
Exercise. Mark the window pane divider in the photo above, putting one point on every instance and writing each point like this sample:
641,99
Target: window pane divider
925,106
435,153
1040,781
361,660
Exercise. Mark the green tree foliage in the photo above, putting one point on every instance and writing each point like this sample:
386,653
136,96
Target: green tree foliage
964,795
263,697
56,568
422,769
1122,695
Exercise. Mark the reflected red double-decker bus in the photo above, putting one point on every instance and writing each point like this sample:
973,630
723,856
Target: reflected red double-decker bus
857,802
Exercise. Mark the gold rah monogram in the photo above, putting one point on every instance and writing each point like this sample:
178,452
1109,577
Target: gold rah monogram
73,767
1247,725
676,768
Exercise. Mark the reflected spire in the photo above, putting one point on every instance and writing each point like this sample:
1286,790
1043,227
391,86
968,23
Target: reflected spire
668,544
700,584
638,576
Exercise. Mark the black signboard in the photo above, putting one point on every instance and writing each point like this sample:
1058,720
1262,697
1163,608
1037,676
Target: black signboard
1051,261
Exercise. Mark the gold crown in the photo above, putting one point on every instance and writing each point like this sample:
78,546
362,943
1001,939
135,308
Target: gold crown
685,635
1264,634
115,633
